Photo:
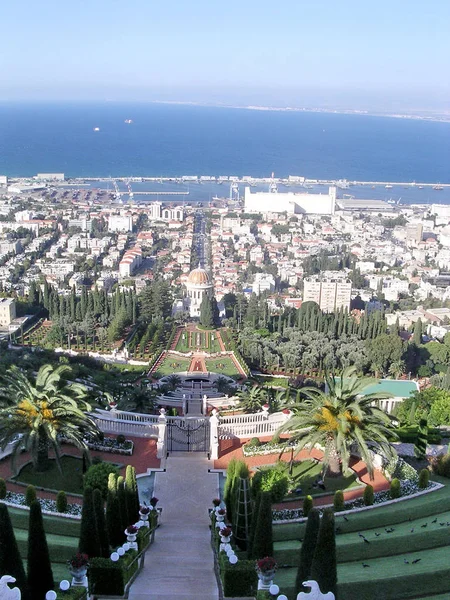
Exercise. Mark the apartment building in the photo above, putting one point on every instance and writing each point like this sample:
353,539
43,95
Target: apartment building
329,294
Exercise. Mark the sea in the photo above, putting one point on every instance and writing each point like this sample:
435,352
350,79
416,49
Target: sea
175,140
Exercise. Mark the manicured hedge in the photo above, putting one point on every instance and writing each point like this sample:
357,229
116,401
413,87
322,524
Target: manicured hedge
108,577
238,580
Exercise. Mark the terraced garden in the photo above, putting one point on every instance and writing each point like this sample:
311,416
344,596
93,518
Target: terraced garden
223,365
406,555
204,341
62,539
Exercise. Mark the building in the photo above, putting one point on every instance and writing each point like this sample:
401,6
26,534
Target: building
50,176
155,210
7,311
290,202
130,262
198,285
264,282
120,223
173,214
329,294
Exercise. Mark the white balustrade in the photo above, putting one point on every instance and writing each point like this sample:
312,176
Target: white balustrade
243,426
128,427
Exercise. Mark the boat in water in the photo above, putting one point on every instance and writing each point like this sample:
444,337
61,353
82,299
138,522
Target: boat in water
96,128
128,121
388,186
438,187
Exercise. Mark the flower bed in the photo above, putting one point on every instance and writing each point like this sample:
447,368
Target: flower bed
408,489
110,444
48,506
265,448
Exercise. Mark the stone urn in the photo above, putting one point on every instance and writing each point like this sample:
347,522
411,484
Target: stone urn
78,575
131,538
143,516
220,515
265,579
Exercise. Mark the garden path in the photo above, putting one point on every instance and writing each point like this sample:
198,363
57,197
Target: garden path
179,564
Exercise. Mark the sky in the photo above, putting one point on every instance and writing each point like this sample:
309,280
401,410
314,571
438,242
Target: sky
357,54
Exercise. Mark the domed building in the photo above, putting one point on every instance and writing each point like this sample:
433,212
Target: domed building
198,285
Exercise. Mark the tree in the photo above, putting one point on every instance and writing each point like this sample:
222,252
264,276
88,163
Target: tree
251,400
384,350
262,544
10,560
417,335
228,488
40,576
206,312
340,418
440,412
100,522
114,523
43,411
89,542
420,405
131,495
97,476
324,567
307,550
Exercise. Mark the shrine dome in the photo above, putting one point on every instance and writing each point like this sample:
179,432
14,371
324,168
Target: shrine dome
198,277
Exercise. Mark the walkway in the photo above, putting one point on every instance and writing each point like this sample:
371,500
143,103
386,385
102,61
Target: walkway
179,564
198,364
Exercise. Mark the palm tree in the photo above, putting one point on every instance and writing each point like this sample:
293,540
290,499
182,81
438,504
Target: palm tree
173,381
251,400
340,418
38,414
141,400
397,368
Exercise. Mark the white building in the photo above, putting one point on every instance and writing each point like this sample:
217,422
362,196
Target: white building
329,294
290,202
50,176
7,311
198,285
130,262
264,282
120,223
173,214
155,210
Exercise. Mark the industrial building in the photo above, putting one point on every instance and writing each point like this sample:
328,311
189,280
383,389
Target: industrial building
290,202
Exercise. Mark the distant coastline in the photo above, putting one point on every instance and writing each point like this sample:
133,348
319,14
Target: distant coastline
437,117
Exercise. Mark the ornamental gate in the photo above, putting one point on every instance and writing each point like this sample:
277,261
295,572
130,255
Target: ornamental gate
187,434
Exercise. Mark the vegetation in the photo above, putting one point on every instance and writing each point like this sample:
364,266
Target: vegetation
368,496
97,476
339,419
307,550
338,501
89,536
324,564
61,502
395,489
262,542
308,504
40,575
36,415
70,480
10,559
272,480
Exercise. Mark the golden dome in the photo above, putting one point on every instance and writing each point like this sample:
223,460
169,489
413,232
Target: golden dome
199,277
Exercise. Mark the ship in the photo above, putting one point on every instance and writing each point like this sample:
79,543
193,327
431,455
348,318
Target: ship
388,186
96,128
128,121
438,187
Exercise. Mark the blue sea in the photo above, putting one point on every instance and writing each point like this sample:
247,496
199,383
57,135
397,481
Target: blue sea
176,140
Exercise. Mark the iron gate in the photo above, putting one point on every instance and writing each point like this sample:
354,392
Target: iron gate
187,435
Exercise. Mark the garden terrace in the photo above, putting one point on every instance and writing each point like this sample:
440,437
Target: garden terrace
417,530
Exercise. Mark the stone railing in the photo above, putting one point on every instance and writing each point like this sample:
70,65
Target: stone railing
128,427
244,426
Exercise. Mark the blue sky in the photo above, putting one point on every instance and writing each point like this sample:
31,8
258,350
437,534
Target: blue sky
350,53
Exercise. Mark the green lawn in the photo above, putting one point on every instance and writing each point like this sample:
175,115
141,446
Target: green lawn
223,365
306,472
420,531
172,364
203,340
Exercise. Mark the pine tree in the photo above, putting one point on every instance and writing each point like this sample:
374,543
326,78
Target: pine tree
324,567
89,537
307,549
40,576
100,522
263,540
10,560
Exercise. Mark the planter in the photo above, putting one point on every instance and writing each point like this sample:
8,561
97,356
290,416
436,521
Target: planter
78,576
225,540
143,517
131,539
265,579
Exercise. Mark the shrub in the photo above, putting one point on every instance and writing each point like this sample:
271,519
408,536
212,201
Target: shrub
109,578
368,495
2,488
324,565
97,476
40,576
272,480
253,443
424,478
441,465
239,580
338,501
120,438
308,504
30,495
400,469
395,490
10,558
61,502
308,548
96,460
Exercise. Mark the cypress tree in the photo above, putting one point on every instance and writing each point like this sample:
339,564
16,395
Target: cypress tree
89,537
420,447
324,568
113,518
121,496
40,576
100,521
10,560
263,541
307,549
227,492
417,335
251,537
131,495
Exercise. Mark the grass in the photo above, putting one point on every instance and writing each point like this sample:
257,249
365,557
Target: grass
223,365
389,554
172,364
70,480
191,339
306,472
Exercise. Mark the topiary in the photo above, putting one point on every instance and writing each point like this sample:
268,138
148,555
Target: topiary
97,476
253,443
395,489
120,438
271,480
338,501
368,495
424,478
30,495
308,504
2,489
61,502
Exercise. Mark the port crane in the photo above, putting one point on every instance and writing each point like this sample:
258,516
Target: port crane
234,191
273,188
